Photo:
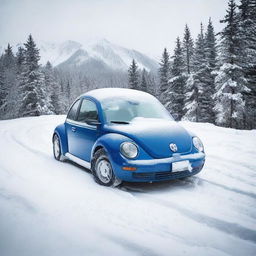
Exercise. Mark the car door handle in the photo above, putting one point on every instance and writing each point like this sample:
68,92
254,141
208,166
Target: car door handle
73,129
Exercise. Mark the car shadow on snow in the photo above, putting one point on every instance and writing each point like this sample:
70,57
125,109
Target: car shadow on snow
147,187
170,185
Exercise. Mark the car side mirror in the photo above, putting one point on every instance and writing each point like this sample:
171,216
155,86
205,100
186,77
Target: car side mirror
92,122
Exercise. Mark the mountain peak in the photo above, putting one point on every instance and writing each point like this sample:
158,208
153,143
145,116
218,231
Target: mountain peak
101,50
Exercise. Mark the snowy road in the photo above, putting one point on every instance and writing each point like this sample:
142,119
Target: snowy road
53,208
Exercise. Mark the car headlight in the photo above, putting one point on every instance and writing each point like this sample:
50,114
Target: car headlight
129,149
198,144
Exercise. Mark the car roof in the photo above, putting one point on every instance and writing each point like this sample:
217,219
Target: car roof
104,93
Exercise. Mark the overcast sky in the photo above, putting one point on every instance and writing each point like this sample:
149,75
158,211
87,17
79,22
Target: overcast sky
144,25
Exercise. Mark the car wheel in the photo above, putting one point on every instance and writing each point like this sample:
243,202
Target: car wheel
102,169
56,147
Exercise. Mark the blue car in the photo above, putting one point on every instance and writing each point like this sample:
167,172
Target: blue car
126,135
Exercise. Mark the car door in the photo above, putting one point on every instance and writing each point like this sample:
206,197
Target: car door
81,135
70,125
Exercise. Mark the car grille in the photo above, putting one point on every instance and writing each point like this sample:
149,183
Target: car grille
165,175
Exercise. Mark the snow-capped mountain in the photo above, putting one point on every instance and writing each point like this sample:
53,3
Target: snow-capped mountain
57,53
99,53
102,52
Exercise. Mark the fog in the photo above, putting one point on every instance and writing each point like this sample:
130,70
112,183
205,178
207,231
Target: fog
144,25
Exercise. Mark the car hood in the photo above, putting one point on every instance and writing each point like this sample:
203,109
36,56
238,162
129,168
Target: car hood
155,135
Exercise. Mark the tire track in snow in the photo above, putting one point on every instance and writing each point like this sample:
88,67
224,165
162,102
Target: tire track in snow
192,181
132,246
248,169
27,131
20,201
224,226
195,180
234,177
239,191
30,149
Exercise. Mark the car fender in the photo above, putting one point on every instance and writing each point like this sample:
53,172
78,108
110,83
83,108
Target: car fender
60,130
111,143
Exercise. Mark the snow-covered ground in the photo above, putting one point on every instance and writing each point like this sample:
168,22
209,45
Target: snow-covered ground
53,208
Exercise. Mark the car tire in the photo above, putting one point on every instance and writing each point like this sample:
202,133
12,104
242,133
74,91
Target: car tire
102,169
56,147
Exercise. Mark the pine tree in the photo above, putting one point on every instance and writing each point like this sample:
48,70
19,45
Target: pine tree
32,83
188,49
164,73
203,80
230,79
3,91
8,58
32,54
21,68
200,84
152,85
143,84
68,92
20,59
177,83
9,83
195,82
133,75
210,46
247,26
208,114
52,89
191,89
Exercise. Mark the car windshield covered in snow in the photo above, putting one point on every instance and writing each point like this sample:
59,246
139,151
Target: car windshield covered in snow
124,110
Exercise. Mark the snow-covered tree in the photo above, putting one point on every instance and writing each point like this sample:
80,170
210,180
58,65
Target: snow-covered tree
195,91
8,58
247,26
20,59
188,49
3,91
68,91
32,83
230,80
133,75
210,46
9,83
177,82
144,84
191,88
199,102
164,76
52,89
208,114
152,86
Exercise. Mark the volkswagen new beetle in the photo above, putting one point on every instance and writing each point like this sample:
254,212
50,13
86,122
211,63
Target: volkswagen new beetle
126,135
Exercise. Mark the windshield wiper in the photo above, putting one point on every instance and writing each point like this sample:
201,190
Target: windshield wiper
119,122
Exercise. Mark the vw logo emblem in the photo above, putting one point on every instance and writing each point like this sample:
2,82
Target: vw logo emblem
173,147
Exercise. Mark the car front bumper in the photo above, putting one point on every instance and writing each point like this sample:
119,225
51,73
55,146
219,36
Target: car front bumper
152,170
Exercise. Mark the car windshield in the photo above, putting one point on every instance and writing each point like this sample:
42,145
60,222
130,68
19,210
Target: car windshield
124,110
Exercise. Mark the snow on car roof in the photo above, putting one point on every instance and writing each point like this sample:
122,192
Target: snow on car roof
104,93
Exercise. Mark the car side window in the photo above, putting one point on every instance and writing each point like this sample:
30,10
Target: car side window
73,111
88,111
